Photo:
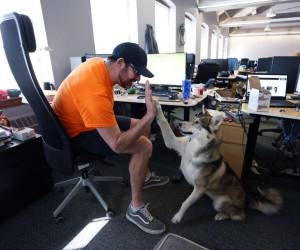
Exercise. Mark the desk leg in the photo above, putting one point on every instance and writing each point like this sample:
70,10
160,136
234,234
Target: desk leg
250,147
186,113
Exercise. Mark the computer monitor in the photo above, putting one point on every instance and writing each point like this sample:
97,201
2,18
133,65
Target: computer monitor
276,84
90,55
297,88
223,63
287,65
264,64
168,69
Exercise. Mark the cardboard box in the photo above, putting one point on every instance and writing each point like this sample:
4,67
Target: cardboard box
234,155
233,132
234,145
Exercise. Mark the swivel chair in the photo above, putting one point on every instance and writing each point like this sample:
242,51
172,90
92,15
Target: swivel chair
206,71
18,40
244,62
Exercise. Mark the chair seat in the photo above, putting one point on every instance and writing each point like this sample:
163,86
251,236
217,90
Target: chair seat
87,158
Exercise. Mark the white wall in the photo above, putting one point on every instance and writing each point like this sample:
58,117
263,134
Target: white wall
253,47
69,32
69,29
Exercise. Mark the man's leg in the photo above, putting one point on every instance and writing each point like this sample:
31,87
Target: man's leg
151,179
137,212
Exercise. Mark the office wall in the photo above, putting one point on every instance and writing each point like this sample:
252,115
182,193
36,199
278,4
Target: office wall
69,29
145,15
254,47
68,25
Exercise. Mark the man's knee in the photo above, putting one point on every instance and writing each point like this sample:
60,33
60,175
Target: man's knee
145,145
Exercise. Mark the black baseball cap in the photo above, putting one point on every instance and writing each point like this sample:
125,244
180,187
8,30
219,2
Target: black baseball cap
133,54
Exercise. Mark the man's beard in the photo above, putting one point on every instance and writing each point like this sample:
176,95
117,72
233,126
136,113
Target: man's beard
125,84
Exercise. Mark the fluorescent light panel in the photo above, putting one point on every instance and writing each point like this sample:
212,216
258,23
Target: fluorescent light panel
261,21
229,3
266,33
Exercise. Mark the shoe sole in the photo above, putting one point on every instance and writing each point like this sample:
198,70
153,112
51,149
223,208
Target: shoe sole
157,184
146,230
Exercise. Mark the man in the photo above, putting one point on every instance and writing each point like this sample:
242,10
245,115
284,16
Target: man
84,104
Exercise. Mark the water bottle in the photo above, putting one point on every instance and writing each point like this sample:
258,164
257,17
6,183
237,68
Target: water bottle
186,90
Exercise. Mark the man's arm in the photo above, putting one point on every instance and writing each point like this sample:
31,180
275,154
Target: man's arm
119,141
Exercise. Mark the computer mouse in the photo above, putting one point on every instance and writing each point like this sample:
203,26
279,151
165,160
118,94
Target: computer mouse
140,97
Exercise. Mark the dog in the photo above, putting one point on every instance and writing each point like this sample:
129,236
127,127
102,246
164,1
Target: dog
205,169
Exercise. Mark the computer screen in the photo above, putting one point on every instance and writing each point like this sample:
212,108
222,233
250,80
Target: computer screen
287,65
276,84
264,64
167,68
223,63
90,55
297,88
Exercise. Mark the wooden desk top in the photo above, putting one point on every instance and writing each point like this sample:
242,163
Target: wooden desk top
179,103
133,99
279,112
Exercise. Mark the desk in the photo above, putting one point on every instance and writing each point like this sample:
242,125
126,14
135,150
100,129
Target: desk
172,103
24,175
288,113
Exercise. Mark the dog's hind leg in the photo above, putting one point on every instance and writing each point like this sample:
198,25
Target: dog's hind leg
229,211
194,196
171,141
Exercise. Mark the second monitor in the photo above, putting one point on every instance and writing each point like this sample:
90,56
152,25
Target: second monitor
169,69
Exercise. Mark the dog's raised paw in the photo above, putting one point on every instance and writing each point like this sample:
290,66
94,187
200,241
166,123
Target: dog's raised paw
220,216
176,218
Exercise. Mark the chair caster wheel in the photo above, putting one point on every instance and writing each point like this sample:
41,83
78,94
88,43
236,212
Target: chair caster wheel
110,213
59,219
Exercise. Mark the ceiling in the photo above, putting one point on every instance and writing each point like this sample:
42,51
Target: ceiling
255,16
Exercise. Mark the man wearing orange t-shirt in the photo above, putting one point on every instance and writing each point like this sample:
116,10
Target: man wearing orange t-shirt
84,104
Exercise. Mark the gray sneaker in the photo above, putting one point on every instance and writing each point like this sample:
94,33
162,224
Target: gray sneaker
145,221
155,181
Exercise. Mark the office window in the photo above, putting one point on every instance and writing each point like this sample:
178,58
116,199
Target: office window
225,50
204,41
114,21
165,26
190,33
41,58
220,46
213,48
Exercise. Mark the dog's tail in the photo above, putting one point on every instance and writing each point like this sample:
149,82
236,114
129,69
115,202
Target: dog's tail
269,203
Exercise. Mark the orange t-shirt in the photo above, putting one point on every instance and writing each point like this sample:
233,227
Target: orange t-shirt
84,100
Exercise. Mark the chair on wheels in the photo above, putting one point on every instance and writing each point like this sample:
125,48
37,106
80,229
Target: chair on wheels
18,40
206,71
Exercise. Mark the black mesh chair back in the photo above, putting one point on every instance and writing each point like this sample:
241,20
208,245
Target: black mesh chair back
206,71
18,40
244,62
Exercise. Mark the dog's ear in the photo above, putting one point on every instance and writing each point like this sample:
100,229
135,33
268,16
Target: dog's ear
216,121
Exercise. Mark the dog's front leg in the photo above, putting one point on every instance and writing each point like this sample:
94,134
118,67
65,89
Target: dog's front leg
171,141
194,196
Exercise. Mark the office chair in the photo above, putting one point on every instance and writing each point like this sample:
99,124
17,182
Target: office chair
244,62
18,40
205,72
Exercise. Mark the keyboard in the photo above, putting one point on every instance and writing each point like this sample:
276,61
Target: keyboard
162,93
282,103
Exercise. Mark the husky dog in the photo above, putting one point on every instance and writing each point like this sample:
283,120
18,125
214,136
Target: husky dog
204,168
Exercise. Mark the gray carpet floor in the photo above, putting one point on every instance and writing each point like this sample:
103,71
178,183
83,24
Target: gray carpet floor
33,228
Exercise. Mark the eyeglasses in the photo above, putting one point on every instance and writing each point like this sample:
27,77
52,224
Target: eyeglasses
134,70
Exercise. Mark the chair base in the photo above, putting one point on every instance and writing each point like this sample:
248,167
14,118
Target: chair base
84,181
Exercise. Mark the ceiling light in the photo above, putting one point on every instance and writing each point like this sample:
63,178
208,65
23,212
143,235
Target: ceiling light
254,12
267,28
265,33
270,13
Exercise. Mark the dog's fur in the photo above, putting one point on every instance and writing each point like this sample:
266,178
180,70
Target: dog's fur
204,168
